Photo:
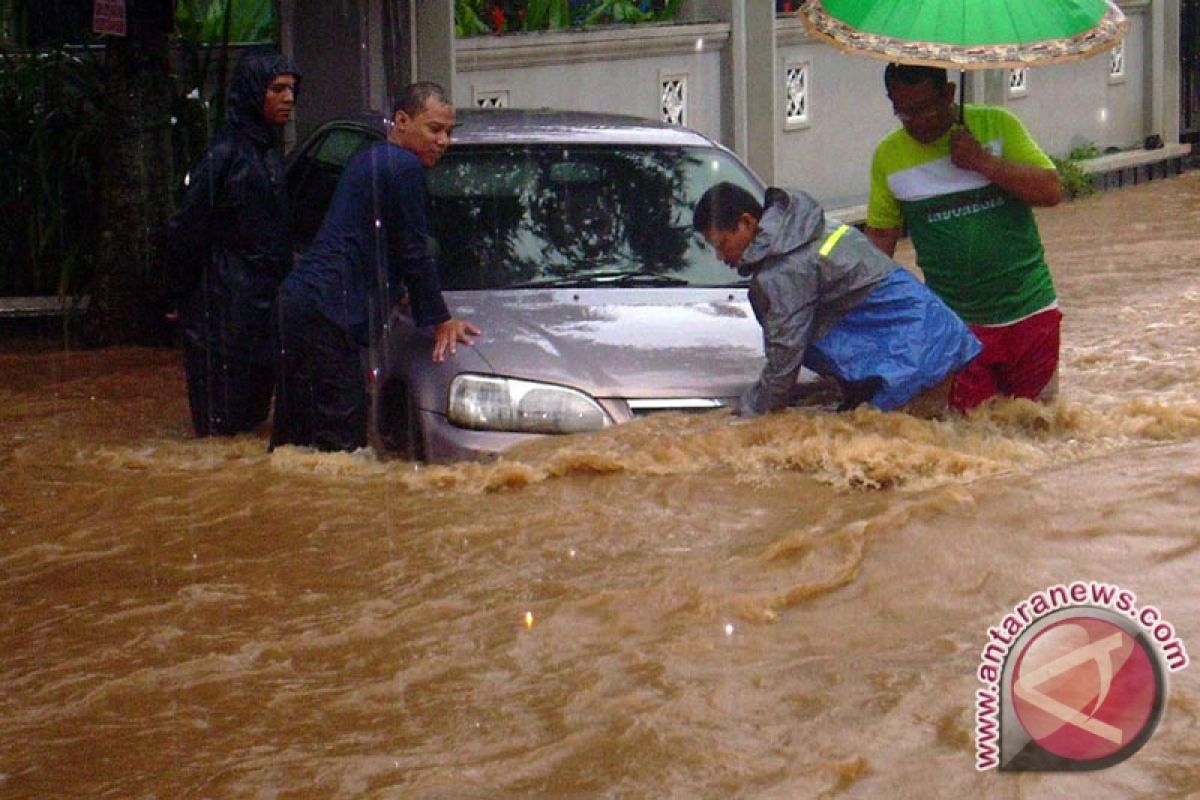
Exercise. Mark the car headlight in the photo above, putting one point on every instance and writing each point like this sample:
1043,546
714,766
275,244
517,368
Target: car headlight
489,403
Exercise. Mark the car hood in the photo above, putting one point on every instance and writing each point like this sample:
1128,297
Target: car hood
620,342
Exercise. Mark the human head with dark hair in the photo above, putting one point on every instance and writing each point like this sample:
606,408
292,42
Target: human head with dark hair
922,99
727,216
263,93
912,74
422,121
412,98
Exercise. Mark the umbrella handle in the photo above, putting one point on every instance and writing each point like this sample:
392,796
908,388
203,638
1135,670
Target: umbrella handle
962,97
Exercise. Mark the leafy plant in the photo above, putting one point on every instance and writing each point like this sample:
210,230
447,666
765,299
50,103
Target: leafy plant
206,20
617,11
1084,151
475,17
468,18
50,116
543,14
1075,181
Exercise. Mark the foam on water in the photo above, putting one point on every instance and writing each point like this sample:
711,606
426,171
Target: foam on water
860,450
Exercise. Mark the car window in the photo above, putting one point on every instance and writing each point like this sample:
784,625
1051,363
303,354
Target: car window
337,148
314,176
528,214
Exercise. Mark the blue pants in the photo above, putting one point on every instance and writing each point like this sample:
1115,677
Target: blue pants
901,338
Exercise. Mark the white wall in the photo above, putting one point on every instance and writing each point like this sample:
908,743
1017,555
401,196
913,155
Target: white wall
830,157
1076,103
617,71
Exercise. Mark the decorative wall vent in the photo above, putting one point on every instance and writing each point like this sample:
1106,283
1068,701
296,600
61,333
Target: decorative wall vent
492,98
1116,63
796,76
1018,81
674,99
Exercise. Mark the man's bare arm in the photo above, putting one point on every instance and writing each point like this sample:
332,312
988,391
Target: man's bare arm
884,238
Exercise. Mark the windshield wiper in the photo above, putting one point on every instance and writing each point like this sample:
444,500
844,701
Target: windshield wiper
608,278
549,283
646,278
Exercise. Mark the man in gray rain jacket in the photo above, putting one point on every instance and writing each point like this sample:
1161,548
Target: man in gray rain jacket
827,299
230,247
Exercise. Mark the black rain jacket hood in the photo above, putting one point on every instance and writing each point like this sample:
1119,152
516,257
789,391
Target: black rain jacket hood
254,73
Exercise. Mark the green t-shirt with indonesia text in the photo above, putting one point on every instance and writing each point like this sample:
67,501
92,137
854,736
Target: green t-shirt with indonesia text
978,246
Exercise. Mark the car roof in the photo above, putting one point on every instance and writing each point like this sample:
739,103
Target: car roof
493,125
482,126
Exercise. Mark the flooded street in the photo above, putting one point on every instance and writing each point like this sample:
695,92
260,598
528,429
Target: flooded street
787,607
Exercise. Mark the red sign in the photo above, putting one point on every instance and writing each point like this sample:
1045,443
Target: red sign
108,16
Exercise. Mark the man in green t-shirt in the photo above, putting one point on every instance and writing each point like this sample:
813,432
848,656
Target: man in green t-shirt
964,193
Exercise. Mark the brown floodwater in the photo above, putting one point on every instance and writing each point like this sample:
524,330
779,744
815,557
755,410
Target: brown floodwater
682,607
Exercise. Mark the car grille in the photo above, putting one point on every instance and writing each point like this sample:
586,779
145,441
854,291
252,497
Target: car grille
642,408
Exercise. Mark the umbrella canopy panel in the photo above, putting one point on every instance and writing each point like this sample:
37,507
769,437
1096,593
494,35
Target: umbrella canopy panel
968,34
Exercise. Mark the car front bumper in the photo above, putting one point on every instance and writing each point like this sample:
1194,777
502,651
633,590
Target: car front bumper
446,442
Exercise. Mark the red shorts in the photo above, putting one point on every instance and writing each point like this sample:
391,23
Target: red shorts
1018,360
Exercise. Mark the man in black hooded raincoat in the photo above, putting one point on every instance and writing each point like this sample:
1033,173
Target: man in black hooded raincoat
230,248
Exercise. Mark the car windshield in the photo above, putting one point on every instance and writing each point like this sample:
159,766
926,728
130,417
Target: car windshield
530,215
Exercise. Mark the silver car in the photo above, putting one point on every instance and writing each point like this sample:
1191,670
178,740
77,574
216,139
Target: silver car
567,238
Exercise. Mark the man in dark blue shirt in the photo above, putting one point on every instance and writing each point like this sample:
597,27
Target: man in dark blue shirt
373,244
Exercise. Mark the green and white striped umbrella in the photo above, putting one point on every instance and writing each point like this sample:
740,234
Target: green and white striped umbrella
968,34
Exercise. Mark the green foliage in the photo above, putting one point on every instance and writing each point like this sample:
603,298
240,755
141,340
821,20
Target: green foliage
205,21
50,134
476,17
467,20
543,14
1083,152
616,11
1075,182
